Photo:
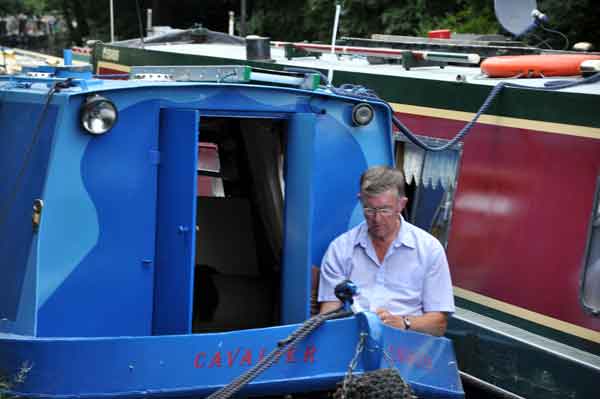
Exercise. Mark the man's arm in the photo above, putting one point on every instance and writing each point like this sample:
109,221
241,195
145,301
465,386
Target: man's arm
332,273
438,297
433,323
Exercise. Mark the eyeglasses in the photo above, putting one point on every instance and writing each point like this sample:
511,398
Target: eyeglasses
381,211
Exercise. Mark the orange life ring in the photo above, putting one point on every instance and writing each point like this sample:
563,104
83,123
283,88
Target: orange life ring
535,66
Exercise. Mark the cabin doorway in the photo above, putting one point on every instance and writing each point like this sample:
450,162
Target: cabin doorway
222,262
219,222
239,223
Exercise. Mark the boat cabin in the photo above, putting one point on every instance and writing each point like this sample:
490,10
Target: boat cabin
153,206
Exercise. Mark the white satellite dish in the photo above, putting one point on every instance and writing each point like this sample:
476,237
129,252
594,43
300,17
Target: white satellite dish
518,16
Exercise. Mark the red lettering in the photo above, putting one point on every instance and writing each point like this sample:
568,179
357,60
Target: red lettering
428,363
418,360
216,360
289,355
401,355
231,358
199,356
247,358
309,354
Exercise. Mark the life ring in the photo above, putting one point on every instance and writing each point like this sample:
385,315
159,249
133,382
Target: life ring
535,66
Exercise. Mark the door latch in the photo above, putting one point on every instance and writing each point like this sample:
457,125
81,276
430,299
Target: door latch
36,216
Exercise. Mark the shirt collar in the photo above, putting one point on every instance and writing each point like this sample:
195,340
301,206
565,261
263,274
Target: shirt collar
404,237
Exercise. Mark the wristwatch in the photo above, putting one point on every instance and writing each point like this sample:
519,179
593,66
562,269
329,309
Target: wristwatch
406,323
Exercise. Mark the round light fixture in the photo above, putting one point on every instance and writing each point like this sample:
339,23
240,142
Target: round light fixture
362,114
98,114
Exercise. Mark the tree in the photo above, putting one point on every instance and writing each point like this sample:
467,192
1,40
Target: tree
313,19
14,7
576,19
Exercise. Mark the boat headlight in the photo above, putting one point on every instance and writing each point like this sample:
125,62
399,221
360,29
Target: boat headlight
98,114
362,114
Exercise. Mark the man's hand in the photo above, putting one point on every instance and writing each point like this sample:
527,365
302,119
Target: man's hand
389,319
433,323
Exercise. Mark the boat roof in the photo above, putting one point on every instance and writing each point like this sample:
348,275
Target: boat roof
360,64
82,82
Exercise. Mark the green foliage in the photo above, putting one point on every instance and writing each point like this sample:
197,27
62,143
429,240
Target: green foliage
30,7
35,7
7,383
362,18
284,22
313,19
469,18
577,19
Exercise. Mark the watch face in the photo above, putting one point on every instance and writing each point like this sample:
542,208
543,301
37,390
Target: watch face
406,323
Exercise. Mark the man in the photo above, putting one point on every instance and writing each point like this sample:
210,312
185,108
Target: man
401,271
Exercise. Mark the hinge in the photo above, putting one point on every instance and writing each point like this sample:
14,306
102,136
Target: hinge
154,157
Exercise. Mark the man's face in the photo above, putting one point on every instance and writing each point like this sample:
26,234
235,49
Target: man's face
382,213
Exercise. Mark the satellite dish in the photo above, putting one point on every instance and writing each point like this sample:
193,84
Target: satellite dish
518,16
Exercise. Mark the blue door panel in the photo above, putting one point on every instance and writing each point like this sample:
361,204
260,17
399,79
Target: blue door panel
298,218
176,221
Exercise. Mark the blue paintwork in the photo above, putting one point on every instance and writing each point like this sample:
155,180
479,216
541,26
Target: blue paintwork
21,182
298,218
190,365
99,300
176,221
369,324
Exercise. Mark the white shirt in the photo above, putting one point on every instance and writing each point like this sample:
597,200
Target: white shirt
412,279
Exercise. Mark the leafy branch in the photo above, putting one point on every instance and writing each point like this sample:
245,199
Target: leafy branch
8,383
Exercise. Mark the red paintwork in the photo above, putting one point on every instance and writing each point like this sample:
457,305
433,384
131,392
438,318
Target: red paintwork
521,215
105,73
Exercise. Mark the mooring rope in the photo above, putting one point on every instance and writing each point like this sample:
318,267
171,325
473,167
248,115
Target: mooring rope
549,86
282,346
359,91
6,205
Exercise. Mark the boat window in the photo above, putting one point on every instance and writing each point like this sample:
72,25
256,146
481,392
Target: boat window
430,184
590,285
210,183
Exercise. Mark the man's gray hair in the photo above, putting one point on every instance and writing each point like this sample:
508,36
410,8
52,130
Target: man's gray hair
379,179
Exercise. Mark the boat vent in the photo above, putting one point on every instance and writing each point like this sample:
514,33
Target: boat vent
225,74
40,74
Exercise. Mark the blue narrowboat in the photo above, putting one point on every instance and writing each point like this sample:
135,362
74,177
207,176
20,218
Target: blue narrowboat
158,236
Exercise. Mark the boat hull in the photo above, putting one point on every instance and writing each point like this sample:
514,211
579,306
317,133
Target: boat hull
192,365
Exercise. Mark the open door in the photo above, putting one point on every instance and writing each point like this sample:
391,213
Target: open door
298,219
176,221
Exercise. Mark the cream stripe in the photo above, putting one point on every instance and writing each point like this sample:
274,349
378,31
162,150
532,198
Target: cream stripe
546,127
538,318
117,67
47,58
